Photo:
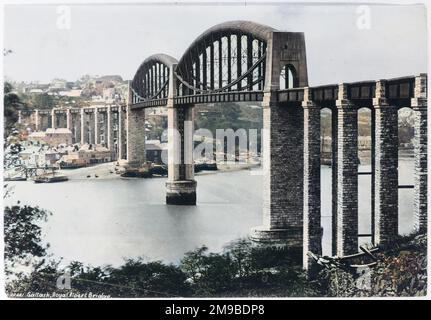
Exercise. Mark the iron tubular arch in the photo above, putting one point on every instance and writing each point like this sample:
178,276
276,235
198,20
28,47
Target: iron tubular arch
227,57
151,81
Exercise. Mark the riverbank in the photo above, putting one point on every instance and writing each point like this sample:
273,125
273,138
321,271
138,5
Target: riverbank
113,170
102,171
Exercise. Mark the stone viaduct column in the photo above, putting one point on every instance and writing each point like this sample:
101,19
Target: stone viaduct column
386,167
181,186
347,175
96,126
283,167
110,129
53,119
334,174
91,127
69,124
283,147
420,105
119,134
83,125
312,214
122,133
76,123
135,135
37,120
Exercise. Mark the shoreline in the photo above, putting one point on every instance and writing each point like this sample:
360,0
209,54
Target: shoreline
112,170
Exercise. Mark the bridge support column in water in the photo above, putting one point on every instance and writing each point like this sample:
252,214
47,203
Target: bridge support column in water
386,167
312,203
135,137
419,104
181,185
347,174
283,146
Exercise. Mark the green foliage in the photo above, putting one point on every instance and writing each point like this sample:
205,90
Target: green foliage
230,115
12,104
246,269
153,279
41,101
47,101
242,269
210,273
401,271
22,234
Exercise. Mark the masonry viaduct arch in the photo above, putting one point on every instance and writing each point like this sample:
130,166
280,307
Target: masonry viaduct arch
241,61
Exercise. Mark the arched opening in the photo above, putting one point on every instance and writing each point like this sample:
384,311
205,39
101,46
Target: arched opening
116,138
406,217
288,77
326,172
365,177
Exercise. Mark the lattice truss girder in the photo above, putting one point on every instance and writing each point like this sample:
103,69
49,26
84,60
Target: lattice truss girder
223,62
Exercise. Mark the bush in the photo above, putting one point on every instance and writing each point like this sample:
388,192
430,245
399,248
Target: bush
401,271
242,269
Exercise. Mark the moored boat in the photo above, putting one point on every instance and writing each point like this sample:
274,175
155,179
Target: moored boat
50,179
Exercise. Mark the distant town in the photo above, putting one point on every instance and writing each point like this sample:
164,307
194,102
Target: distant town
68,125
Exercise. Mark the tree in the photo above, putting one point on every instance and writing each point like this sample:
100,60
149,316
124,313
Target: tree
209,273
12,104
22,234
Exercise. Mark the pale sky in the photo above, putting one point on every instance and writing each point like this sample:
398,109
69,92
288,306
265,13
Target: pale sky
115,39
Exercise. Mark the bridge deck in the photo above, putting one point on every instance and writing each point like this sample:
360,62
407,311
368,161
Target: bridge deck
400,92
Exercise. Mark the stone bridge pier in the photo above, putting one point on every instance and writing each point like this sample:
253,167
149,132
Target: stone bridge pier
283,147
181,185
420,106
135,136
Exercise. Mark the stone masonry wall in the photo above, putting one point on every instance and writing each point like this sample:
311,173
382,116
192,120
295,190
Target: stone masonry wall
420,105
386,174
312,215
334,173
136,137
347,176
286,170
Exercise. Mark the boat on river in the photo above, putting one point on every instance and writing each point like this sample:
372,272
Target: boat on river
50,177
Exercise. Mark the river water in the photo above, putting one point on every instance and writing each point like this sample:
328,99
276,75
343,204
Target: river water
103,222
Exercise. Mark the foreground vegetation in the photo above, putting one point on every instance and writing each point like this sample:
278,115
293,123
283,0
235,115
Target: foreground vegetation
242,269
